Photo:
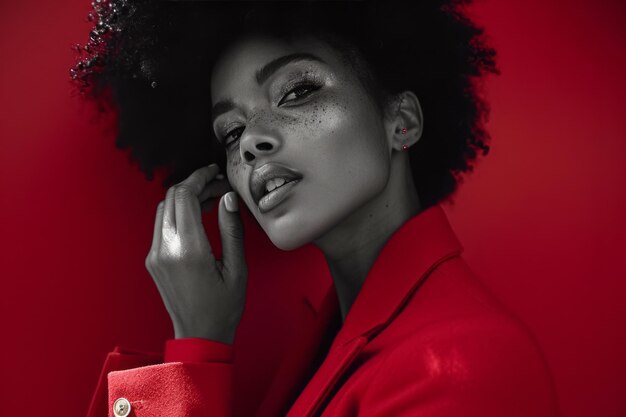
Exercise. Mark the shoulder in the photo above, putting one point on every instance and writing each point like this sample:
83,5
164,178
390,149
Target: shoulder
483,364
485,343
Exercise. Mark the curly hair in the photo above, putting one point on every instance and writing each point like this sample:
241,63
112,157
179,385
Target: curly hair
150,62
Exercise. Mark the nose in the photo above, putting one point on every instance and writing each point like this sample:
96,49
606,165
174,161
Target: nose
256,143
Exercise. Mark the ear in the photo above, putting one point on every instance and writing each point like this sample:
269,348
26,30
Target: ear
405,122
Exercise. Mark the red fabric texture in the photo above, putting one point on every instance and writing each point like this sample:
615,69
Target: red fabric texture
175,389
423,338
119,359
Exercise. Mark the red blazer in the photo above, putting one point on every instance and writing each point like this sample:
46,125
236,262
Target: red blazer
423,338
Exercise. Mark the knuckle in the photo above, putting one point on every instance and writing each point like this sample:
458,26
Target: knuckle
151,262
234,234
182,192
148,263
151,257
167,260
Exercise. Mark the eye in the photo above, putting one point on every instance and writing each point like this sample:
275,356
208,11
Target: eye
298,90
227,145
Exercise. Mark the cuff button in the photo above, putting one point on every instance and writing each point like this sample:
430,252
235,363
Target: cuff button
121,407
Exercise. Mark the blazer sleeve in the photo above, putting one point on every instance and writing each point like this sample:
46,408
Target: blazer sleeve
195,379
188,351
194,349
481,367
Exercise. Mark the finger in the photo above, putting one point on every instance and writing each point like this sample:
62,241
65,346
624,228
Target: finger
216,188
188,211
169,214
200,178
232,235
211,194
158,227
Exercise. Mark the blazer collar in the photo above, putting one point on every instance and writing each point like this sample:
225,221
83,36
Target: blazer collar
411,253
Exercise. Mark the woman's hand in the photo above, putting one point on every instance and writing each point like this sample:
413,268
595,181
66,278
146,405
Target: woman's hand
204,297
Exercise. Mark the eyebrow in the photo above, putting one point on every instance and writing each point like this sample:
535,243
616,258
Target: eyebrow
262,75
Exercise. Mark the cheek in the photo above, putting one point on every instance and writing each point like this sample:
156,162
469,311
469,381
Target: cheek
351,138
236,172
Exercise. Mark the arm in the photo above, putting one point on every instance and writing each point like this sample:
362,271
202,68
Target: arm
475,367
204,298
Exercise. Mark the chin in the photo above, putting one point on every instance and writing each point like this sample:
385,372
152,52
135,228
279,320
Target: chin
288,233
287,245
286,239
291,230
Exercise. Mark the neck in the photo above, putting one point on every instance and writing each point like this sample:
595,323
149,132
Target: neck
351,248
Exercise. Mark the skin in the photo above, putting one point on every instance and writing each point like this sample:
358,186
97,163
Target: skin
356,190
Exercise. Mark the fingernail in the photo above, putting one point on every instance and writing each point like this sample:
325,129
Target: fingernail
214,165
230,200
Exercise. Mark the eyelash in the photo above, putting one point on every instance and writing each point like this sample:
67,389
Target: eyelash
303,85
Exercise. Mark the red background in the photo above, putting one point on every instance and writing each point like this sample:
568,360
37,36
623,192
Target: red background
541,219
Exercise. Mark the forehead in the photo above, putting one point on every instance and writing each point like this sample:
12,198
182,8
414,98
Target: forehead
237,66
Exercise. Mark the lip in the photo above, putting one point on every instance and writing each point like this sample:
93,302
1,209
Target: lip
277,196
261,175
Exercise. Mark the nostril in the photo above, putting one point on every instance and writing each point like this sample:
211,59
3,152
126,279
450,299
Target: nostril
264,146
248,156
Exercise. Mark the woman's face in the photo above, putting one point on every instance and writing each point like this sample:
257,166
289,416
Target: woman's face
311,116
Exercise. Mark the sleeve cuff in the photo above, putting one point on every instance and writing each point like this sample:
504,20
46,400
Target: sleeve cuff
173,390
194,349
120,358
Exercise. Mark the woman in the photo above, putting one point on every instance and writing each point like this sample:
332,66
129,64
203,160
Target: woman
338,124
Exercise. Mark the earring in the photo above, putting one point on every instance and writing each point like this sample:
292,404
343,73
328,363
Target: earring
405,147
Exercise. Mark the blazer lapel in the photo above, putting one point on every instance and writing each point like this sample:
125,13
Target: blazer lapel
419,246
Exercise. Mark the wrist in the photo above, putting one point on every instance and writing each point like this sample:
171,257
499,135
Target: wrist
222,335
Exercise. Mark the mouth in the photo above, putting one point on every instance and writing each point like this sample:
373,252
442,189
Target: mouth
273,198
274,184
272,180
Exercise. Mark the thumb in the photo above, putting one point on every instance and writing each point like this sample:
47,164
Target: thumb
232,235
